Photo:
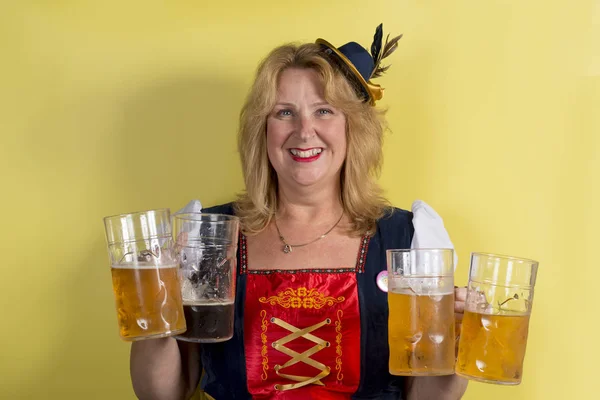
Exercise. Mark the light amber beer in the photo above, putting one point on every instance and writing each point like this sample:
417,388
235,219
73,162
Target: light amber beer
494,347
421,333
148,300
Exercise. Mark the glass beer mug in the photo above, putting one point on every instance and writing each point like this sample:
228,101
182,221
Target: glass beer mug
496,320
207,249
421,312
145,275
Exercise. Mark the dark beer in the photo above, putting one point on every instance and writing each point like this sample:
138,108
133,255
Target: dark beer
208,321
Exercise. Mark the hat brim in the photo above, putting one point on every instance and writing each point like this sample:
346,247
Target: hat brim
375,92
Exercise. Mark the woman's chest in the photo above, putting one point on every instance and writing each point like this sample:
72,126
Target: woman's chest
336,251
302,334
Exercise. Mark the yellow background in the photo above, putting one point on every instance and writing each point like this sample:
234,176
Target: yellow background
114,106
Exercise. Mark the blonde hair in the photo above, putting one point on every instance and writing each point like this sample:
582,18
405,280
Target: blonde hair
361,196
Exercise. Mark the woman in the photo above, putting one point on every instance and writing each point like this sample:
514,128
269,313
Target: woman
311,322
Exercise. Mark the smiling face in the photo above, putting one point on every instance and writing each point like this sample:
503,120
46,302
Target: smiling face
306,137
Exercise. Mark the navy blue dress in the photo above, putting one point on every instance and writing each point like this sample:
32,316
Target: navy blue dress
225,365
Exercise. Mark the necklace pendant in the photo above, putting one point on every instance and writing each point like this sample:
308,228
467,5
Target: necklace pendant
287,249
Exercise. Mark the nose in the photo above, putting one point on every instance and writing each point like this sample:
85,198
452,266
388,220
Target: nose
305,128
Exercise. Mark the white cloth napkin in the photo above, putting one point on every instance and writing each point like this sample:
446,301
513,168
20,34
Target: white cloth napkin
193,206
429,229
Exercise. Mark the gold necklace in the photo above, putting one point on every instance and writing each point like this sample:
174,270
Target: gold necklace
287,248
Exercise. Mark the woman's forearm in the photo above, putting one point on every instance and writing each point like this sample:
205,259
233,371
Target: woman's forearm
164,369
450,387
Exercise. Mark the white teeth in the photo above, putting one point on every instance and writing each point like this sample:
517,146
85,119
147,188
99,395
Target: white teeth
305,154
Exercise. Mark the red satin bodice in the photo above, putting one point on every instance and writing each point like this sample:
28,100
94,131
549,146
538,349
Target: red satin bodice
302,335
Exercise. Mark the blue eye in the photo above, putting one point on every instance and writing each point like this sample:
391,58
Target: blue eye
284,113
324,111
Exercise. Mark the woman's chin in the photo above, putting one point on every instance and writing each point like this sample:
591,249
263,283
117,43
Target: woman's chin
309,180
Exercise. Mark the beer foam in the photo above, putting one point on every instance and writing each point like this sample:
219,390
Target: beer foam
422,285
207,303
143,265
435,296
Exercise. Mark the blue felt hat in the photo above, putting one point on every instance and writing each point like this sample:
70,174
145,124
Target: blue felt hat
362,65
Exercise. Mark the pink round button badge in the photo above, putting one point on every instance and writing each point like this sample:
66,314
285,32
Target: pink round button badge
382,281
